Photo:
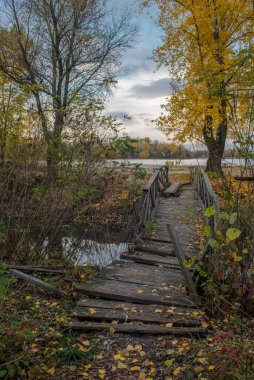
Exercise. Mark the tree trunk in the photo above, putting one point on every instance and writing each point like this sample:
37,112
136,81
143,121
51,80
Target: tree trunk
54,144
53,158
216,143
2,154
214,159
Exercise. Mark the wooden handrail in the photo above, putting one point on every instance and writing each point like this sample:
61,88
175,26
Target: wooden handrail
146,204
181,257
206,193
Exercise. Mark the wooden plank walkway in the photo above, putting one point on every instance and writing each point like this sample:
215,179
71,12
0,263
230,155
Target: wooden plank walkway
146,292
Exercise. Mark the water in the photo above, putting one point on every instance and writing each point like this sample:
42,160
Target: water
90,252
155,163
84,245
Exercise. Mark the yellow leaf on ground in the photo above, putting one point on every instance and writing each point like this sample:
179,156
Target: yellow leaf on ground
169,324
169,362
51,370
91,310
135,368
158,311
112,330
201,360
140,291
130,348
138,347
211,367
101,373
85,342
119,357
121,365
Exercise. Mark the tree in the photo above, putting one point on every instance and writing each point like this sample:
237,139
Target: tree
64,52
12,102
207,45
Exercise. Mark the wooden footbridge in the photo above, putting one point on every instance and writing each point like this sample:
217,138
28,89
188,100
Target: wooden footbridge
150,290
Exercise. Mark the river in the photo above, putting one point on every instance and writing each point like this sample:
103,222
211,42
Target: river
150,163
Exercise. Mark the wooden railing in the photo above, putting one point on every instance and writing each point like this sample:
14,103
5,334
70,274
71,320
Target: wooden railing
146,204
206,193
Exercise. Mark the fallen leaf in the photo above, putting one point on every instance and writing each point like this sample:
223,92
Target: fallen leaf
135,368
140,291
51,370
130,348
169,362
85,342
121,365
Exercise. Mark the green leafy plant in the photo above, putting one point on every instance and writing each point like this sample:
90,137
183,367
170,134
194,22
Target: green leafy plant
226,260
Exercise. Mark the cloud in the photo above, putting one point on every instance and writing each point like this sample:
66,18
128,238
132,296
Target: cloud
157,89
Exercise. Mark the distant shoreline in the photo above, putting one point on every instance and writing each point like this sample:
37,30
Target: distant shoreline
184,163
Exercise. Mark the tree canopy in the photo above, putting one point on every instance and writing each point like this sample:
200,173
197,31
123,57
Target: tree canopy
65,53
208,47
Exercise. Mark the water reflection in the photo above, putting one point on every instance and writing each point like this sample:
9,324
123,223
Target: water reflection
90,252
81,246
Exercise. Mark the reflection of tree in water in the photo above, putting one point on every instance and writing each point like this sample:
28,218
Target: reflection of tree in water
81,245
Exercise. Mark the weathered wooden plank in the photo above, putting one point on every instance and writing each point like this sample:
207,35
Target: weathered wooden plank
172,189
139,329
161,249
133,314
148,258
181,257
30,269
151,239
39,283
143,274
159,277
135,293
124,268
140,280
178,312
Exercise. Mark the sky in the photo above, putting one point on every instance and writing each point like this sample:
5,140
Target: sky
141,89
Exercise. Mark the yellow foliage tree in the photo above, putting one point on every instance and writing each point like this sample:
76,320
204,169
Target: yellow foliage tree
207,47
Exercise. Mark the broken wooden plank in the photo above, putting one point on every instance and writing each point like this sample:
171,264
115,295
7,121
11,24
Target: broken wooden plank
161,249
181,312
39,283
172,189
139,329
144,271
181,258
152,259
135,312
148,276
151,239
116,290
